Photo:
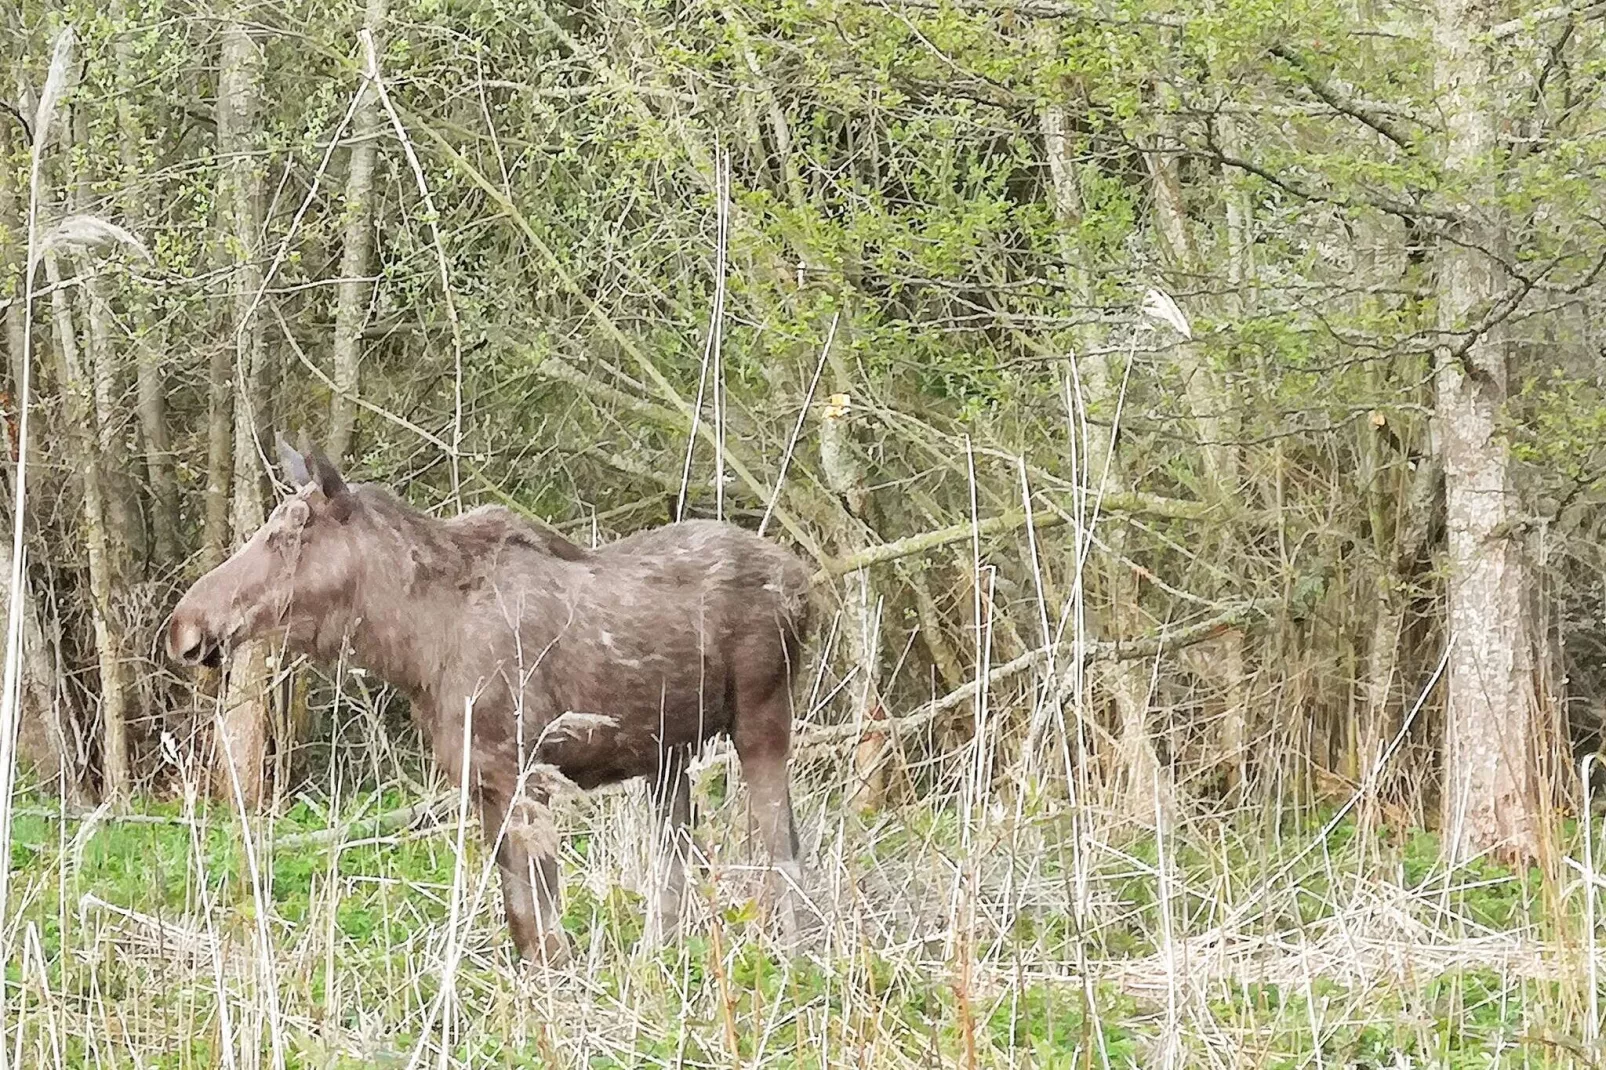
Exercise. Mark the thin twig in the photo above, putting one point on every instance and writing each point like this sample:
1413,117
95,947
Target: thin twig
432,217
797,428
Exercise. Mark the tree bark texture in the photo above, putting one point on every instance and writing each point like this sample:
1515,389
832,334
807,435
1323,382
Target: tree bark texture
148,340
354,291
842,465
1489,798
47,736
84,439
243,720
102,352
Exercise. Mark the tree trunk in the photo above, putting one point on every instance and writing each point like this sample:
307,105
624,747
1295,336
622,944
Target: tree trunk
1136,767
219,455
354,290
89,390
46,736
843,468
243,720
1398,541
1214,417
102,469
101,350
1383,486
149,343
1489,799
84,437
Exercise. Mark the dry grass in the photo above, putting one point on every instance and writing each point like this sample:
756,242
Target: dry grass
1059,938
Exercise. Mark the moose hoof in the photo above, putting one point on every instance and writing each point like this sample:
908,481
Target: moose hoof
662,923
550,950
796,925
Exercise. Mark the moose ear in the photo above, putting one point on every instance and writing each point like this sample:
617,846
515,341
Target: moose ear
295,465
325,474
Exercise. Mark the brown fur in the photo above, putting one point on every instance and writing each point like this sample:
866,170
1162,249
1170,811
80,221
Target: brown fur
674,636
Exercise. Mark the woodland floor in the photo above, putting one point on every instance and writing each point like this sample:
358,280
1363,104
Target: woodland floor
1035,934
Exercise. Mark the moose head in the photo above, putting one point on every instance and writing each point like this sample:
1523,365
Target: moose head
295,574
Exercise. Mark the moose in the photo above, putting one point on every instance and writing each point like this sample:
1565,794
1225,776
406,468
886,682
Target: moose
605,664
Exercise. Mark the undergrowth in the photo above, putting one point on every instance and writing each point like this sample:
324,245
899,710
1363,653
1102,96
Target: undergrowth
1056,939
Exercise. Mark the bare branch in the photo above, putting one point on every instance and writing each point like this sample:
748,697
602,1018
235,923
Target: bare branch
812,737
378,825
1046,9
1512,27
1406,210
22,120
1002,524
1339,99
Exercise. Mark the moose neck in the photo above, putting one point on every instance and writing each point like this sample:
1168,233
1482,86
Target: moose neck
406,608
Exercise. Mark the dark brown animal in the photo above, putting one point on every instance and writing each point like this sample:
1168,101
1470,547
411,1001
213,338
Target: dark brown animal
607,664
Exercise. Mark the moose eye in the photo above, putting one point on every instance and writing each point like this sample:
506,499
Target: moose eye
287,521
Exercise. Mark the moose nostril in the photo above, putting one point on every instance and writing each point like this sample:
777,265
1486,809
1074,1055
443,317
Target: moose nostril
201,651
186,643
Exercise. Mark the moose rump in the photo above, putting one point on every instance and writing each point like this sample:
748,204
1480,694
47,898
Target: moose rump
604,664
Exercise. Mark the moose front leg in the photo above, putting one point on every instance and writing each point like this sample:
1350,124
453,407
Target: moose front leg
530,890
519,828
526,856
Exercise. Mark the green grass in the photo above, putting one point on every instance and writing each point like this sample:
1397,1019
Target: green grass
353,975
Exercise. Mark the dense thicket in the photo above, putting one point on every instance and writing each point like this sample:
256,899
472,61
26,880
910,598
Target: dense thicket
1192,375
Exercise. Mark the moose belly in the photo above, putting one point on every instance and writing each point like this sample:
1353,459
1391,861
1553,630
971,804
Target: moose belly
608,753
629,720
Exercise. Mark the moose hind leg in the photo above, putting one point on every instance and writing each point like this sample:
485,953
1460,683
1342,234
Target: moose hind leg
763,743
672,808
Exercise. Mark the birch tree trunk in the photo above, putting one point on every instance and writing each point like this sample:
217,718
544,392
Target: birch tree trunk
243,720
1489,799
354,290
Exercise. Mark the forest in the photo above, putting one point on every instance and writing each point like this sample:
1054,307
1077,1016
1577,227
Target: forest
1193,416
